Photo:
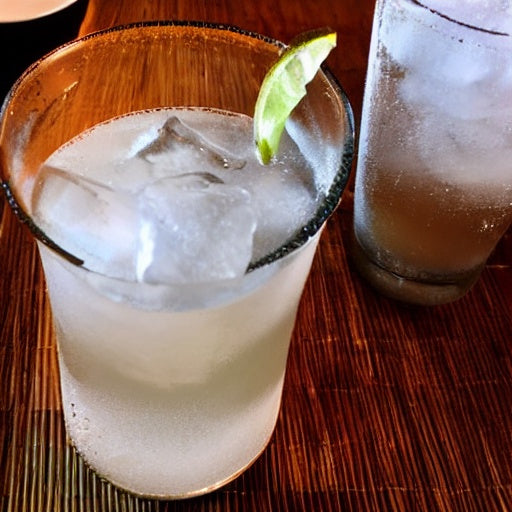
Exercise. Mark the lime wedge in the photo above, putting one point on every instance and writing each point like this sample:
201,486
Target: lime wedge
284,86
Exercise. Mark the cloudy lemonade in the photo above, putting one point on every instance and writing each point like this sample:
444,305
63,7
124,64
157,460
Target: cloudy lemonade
166,340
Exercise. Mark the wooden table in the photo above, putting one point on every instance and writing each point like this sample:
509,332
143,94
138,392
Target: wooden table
385,407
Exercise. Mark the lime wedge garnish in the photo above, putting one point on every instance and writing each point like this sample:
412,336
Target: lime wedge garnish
284,86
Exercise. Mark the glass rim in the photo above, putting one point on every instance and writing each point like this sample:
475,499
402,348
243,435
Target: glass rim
325,208
446,17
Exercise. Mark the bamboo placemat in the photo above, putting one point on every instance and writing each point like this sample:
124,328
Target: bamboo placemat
385,407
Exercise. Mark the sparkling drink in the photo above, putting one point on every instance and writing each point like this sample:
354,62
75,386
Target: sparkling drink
174,261
195,370
433,190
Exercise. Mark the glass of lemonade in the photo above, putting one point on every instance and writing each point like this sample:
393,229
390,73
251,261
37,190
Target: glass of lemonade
434,179
174,261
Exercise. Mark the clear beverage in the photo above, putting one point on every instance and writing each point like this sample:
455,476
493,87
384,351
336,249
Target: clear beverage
174,261
433,189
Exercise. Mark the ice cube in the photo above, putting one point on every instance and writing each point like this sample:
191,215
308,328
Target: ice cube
194,228
176,138
188,228
88,219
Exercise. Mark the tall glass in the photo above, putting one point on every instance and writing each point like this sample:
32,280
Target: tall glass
169,391
434,180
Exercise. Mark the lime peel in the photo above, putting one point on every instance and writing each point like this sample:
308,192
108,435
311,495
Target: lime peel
284,86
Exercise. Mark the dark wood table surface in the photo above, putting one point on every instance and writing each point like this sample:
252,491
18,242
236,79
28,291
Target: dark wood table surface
385,406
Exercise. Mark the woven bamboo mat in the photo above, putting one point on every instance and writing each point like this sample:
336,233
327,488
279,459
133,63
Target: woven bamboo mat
384,408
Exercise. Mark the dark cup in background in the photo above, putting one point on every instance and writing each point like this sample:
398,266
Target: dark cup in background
23,42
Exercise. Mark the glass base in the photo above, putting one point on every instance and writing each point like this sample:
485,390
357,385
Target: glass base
172,497
407,290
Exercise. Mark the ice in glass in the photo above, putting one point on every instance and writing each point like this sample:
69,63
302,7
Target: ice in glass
174,260
433,186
